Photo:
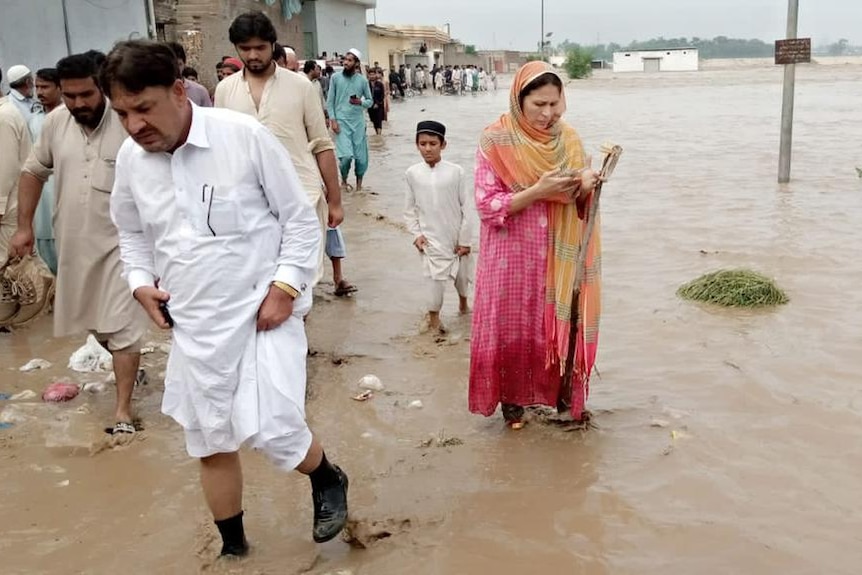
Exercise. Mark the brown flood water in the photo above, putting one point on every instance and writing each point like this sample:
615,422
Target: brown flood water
753,467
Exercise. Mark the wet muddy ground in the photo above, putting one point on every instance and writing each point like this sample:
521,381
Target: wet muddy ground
726,442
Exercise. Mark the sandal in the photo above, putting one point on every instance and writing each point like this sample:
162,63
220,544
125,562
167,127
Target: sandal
514,416
343,288
121,427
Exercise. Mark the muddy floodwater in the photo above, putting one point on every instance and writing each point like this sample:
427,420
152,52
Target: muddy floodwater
726,441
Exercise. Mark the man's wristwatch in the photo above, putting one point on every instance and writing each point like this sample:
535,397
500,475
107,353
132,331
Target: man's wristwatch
288,289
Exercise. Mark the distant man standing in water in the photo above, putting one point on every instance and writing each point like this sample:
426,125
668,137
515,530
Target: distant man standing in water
349,97
210,209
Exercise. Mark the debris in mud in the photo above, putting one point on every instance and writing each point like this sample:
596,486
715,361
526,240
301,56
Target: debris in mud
659,423
361,533
371,382
35,364
416,404
24,395
91,357
364,396
440,440
5,396
147,350
5,425
95,387
729,363
61,390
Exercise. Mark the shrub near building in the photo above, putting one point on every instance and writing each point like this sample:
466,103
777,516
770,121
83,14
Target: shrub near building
579,63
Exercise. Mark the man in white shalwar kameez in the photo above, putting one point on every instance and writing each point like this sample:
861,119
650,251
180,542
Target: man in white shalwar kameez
219,241
436,213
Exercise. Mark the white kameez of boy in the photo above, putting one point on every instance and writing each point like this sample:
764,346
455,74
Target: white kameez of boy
436,213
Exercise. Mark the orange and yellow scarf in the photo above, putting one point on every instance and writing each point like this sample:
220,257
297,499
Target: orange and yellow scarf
520,154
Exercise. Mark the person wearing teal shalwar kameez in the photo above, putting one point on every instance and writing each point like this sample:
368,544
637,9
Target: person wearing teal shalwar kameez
349,96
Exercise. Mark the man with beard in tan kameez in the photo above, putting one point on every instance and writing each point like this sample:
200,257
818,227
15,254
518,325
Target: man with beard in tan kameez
79,145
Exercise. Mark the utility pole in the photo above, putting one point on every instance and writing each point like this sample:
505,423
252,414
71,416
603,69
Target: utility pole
542,38
788,101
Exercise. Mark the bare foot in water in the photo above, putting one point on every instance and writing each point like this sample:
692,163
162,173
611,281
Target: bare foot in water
463,308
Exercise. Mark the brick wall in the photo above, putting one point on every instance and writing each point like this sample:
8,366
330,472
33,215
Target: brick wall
201,27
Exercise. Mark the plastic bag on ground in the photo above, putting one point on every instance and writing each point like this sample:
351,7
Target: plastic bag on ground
91,357
35,364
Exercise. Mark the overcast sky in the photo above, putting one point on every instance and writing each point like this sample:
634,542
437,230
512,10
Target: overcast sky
515,24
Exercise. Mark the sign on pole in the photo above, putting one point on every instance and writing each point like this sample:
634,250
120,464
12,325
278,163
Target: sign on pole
794,51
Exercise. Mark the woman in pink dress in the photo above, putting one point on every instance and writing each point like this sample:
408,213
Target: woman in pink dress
533,188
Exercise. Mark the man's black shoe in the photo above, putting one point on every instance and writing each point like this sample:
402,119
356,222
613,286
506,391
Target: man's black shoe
330,509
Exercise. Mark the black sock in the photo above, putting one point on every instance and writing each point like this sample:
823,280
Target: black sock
324,476
232,535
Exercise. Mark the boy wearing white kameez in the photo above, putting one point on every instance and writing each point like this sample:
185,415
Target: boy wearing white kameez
436,214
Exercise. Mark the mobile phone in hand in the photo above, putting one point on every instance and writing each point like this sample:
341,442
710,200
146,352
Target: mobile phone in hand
163,307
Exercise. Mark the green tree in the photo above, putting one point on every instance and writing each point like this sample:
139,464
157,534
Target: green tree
839,48
470,49
579,63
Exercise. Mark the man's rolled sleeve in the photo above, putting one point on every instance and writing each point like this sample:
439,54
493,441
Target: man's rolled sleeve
40,162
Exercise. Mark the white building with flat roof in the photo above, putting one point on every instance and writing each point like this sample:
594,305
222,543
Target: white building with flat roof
335,26
665,60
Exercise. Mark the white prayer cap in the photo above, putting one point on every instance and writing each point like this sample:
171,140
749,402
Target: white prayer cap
356,53
17,73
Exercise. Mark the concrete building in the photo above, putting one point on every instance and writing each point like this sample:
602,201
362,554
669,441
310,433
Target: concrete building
201,26
37,33
666,60
335,26
503,61
392,46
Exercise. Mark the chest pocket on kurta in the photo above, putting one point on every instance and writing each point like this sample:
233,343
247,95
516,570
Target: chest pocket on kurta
222,212
103,175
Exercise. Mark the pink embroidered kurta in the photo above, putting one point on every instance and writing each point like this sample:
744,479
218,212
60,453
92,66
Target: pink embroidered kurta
509,347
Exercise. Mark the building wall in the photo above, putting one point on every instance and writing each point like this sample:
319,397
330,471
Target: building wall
382,48
455,55
336,26
34,32
201,26
671,60
503,61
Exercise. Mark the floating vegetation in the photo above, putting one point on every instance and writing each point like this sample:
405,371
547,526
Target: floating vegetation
734,288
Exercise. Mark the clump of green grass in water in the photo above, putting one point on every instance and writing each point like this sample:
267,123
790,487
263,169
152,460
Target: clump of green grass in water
734,288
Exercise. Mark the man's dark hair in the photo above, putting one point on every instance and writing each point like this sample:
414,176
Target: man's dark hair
278,52
136,65
250,25
98,57
189,72
219,65
309,66
48,75
178,49
329,70
80,66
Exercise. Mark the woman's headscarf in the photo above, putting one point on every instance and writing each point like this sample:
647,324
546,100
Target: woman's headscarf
520,154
